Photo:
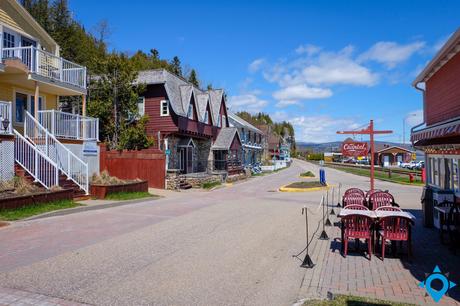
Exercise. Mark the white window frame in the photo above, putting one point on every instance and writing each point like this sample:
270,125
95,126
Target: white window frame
206,117
433,159
164,103
219,121
139,111
190,111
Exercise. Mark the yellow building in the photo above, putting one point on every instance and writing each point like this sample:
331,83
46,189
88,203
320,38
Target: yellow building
32,78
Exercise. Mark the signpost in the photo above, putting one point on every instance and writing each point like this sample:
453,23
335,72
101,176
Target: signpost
354,148
371,132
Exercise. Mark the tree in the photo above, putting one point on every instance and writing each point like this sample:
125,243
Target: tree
192,78
175,66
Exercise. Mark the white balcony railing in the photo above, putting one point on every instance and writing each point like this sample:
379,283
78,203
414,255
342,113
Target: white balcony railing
6,116
48,65
69,126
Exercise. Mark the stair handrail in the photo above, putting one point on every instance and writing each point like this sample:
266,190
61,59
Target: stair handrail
35,162
65,159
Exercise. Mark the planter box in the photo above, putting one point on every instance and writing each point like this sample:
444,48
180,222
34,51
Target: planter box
45,197
267,168
101,191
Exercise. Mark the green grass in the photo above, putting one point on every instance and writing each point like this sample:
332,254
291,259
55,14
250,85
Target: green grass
32,210
307,174
349,300
306,185
209,185
123,196
395,178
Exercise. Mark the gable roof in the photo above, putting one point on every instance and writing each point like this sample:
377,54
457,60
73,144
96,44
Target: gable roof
225,138
242,123
449,50
180,92
33,23
388,147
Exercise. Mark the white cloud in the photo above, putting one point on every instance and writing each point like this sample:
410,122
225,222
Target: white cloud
307,49
279,116
326,68
391,53
301,92
247,102
320,128
284,103
256,65
415,117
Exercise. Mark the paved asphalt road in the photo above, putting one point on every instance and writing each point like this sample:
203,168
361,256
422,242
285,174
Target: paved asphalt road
231,246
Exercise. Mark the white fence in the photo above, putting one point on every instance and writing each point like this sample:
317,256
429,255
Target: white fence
48,65
72,166
6,118
69,126
35,162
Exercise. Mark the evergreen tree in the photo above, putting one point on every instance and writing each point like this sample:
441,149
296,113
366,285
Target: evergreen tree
176,67
192,78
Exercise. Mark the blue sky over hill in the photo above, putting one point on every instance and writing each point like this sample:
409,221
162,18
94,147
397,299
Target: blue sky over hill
323,65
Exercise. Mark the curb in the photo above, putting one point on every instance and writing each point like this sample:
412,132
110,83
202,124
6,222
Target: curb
289,189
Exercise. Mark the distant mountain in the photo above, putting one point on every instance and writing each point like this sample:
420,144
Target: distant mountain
335,146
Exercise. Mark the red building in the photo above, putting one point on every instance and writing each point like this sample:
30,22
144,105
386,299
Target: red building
187,119
439,135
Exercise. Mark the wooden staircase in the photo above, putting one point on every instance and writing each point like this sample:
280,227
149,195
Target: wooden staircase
183,184
64,182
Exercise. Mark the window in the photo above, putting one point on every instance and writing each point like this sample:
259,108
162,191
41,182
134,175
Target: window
219,121
32,104
190,111
141,106
206,117
164,108
455,176
8,40
224,121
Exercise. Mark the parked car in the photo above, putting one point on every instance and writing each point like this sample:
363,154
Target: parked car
420,165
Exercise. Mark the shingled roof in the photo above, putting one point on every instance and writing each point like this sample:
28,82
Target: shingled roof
180,91
240,121
225,138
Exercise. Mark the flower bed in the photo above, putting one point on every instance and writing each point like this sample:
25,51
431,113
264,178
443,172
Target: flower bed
100,191
16,201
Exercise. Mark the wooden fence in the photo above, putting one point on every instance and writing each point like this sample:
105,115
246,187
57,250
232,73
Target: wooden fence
146,165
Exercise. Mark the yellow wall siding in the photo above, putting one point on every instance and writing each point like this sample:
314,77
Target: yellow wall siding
7,94
12,19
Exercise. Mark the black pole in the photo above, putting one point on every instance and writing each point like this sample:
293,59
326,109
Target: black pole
338,196
307,262
323,235
328,222
332,209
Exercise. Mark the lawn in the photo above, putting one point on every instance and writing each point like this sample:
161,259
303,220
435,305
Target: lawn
305,185
349,300
123,196
395,178
209,185
32,210
307,174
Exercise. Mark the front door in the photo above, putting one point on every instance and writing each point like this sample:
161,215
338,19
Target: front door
182,159
189,159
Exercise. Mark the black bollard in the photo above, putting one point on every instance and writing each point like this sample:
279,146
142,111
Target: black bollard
332,209
338,196
323,235
307,262
328,222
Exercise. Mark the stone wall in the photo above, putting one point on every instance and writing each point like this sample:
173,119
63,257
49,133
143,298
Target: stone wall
196,182
172,180
203,148
173,162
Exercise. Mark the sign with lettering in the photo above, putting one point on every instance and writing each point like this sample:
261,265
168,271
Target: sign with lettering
89,148
355,148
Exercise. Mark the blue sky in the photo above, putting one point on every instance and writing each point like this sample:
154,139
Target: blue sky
323,65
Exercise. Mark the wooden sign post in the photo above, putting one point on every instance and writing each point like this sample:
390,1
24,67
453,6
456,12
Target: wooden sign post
371,132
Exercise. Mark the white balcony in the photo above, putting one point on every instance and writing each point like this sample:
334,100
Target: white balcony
47,65
69,126
5,118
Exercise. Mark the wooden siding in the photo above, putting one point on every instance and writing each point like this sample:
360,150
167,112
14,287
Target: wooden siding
153,95
197,128
442,97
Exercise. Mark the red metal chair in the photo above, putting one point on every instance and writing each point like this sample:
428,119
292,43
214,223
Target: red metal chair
379,199
353,190
370,192
357,227
394,229
388,208
357,207
353,199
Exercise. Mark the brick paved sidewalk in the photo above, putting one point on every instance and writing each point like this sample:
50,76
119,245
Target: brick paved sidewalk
25,298
395,279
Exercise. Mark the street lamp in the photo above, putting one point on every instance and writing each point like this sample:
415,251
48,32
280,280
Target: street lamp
5,123
404,126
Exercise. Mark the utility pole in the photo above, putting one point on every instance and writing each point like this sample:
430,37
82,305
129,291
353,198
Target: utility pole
371,132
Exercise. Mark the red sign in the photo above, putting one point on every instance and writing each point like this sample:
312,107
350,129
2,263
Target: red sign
355,149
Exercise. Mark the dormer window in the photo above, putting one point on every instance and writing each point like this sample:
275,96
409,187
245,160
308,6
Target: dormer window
206,117
141,106
190,112
219,121
164,108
